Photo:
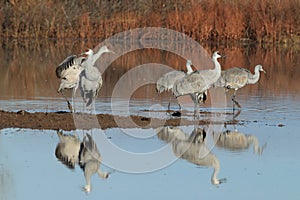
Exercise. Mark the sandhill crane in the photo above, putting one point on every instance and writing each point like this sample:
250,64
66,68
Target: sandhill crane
68,72
67,150
192,148
90,80
198,82
90,160
166,82
71,68
236,78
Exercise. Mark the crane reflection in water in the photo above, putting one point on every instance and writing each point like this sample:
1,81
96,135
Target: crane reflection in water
192,147
236,141
71,151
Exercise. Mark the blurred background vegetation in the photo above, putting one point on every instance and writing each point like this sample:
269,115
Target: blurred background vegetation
36,35
267,21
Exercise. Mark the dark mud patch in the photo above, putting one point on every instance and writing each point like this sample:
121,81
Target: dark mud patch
69,121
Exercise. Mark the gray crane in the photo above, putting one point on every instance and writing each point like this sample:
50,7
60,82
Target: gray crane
198,82
90,80
74,67
236,78
68,72
166,82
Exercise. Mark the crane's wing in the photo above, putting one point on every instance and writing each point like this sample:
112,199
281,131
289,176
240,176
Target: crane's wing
70,64
166,82
221,81
69,61
235,77
243,70
190,84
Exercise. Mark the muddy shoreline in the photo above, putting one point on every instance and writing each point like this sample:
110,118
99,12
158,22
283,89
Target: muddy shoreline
69,121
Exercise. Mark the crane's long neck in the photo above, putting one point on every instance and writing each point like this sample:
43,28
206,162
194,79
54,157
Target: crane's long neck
89,61
97,55
189,68
93,58
217,70
252,79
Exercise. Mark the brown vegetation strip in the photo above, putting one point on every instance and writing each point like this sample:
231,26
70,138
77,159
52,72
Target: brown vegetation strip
257,20
67,121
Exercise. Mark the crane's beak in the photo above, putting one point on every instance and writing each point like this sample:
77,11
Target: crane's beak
110,51
83,55
263,71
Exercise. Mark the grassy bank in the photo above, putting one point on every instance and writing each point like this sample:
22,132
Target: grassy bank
269,21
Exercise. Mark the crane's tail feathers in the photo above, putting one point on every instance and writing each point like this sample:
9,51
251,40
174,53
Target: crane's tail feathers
89,102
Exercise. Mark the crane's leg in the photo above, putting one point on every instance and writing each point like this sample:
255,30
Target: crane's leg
196,111
68,102
169,106
196,107
234,101
177,113
177,104
236,115
74,92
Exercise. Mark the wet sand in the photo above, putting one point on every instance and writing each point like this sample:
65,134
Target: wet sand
66,121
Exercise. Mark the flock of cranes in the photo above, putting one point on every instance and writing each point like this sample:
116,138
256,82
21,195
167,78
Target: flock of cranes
196,83
80,72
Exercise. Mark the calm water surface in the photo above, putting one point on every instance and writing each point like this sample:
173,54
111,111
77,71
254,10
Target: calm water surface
265,168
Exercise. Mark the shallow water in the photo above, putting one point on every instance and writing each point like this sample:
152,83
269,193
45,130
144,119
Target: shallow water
29,168
270,115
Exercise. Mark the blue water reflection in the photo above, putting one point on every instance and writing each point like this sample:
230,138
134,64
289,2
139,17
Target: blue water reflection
30,169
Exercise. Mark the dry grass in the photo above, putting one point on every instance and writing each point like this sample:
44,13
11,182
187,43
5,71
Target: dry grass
270,21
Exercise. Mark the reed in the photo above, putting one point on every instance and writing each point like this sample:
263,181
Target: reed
268,21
